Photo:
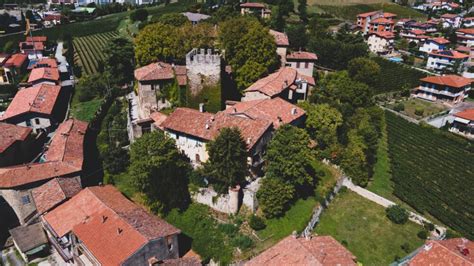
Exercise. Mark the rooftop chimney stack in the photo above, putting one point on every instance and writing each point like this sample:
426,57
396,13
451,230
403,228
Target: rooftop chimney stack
201,107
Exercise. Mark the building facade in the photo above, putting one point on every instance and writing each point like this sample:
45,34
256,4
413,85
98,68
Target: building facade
449,60
450,89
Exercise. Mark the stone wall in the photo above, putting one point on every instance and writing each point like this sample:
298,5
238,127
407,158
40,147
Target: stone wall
203,69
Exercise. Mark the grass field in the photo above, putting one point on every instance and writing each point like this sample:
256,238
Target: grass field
349,12
412,105
88,51
366,231
85,111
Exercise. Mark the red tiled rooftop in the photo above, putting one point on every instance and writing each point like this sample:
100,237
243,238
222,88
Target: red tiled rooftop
9,134
469,31
302,56
158,118
383,34
48,73
54,192
64,156
37,39
418,32
274,83
110,226
252,5
154,71
449,16
16,60
38,46
368,14
281,39
319,250
450,54
276,110
440,40
37,99
449,80
389,15
381,21
45,62
445,252
466,114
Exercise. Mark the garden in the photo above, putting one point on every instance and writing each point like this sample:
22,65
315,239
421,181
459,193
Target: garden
363,227
349,12
417,108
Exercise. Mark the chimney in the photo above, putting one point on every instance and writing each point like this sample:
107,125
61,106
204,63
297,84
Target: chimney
235,110
294,234
104,218
249,140
208,126
201,107
119,231
293,111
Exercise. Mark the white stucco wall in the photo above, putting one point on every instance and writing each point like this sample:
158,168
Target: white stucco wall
190,146
36,123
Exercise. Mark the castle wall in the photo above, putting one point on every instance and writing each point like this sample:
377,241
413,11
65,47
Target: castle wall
203,69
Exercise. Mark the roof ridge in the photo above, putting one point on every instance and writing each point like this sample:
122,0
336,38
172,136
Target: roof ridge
451,251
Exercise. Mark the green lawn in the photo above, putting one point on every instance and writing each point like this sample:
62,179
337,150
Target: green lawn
349,12
411,105
369,235
85,111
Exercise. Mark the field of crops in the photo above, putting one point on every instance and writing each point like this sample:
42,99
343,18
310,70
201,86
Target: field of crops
433,171
349,12
89,51
396,76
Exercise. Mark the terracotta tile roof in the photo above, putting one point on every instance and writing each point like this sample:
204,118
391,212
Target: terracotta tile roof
308,79
16,60
38,46
418,32
158,118
206,126
302,56
154,71
466,114
445,252
449,16
319,250
64,156
274,83
383,34
252,5
469,31
3,58
37,99
281,39
381,21
48,73
45,62
110,226
368,14
440,40
9,134
448,80
449,54
463,49
37,39
181,262
389,15
181,75
54,192
276,110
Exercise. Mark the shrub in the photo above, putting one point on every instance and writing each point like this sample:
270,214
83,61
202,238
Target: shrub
422,234
241,241
397,214
140,14
405,247
429,226
257,223
344,243
228,229
399,107
419,111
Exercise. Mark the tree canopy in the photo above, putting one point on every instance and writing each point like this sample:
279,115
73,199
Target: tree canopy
364,70
322,123
119,60
274,197
160,171
172,19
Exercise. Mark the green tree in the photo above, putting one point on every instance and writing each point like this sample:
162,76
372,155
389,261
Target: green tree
274,197
278,21
397,214
322,123
302,10
227,164
139,14
159,171
289,159
354,160
92,86
116,160
172,19
297,36
119,56
364,70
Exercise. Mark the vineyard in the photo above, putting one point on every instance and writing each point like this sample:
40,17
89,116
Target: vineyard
88,51
433,171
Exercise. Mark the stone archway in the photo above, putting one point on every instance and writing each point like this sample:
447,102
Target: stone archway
8,221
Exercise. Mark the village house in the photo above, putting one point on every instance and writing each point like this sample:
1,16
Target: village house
446,60
454,251
99,226
64,157
315,250
463,123
451,20
382,21
468,22
44,75
43,62
30,241
52,19
381,42
438,6
286,83
282,43
255,8
40,107
449,89
13,66
195,18
54,192
434,44
427,27
465,37
34,47
417,36
302,62
15,144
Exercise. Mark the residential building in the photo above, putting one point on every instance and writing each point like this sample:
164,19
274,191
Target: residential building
451,20
43,62
364,21
64,157
258,9
33,49
465,36
438,6
463,123
40,107
99,226
381,42
427,27
195,18
468,22
4,78
30,241
316,250
15,144
54,192
381,24
282,43
434,44
454,251
52,19
14,66
417,36
449,89
286,83
302,62
44,75
451,60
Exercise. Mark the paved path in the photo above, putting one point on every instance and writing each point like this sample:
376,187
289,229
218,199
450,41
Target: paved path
59,54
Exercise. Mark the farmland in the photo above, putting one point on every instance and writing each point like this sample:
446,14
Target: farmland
432,171
349,12
89,51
